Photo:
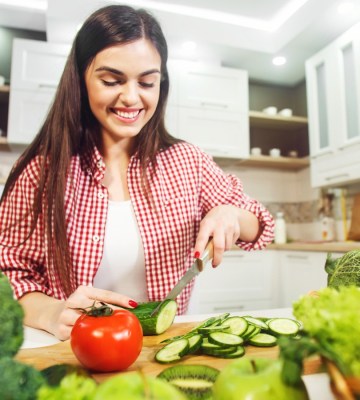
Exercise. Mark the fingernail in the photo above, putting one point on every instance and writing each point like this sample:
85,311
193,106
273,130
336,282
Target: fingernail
197,254
214,266
133,303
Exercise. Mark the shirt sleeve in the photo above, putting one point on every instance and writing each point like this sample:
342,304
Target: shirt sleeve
217,188
22,255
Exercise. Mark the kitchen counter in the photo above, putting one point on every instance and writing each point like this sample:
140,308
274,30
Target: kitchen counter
330,247
317,384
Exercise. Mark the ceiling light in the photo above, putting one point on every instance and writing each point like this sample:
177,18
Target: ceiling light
279,60
346,7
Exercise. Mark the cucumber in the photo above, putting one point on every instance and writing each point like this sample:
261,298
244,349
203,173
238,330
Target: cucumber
158,323
239,352
283,326
237,325
172,351
256,322
195,342
224,339
263,340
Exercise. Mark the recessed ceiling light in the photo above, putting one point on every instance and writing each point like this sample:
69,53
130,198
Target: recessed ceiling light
279,60
346,7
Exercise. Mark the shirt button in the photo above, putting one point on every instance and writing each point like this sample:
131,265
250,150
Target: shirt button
96,238
99,164
101,195
89,171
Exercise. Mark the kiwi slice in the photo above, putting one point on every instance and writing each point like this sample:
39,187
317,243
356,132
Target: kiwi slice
195,381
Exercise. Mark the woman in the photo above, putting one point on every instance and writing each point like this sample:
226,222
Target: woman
105,204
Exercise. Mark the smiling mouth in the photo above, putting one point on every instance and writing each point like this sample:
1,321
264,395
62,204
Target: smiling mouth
130,115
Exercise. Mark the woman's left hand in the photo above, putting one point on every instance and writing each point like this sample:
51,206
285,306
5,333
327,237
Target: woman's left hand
225,224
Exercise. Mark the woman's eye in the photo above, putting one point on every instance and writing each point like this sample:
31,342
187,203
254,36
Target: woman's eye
110,83
146,84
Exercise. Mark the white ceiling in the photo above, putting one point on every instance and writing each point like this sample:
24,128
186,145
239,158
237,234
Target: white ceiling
243,34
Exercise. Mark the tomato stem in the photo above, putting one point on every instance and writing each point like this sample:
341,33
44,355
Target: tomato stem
102,310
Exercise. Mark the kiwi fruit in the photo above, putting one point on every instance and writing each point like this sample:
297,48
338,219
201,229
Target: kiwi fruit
195,381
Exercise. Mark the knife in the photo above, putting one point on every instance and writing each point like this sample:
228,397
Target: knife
193,271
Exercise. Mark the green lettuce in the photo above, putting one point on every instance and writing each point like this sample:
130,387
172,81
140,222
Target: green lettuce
343,271
333,320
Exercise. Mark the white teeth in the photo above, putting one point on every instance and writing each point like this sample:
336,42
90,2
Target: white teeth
128,115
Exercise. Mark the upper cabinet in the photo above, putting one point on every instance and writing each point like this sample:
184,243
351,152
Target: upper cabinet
208,106
333,89
36,68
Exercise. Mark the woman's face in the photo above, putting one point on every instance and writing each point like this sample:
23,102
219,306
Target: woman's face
123,86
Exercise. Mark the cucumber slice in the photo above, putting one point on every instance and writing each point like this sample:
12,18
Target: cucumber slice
256,322
255,332
209,329
263,340
237,325
217,351
158,323
195,342
240,351
172,351
224,339
250,329
283,326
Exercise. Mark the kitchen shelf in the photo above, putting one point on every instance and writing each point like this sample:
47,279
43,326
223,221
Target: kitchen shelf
286,163
260,119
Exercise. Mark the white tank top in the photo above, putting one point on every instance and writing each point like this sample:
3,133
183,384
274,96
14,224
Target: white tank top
122,267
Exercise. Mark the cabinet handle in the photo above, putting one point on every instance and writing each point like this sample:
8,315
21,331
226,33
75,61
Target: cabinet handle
234,308
330,178
297,257
209,104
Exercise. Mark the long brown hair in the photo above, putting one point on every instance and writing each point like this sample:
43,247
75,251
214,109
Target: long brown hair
70,127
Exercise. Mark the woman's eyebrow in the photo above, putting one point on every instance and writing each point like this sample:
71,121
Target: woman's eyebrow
120,73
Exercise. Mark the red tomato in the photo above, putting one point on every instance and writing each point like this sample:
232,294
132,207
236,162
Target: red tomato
107,343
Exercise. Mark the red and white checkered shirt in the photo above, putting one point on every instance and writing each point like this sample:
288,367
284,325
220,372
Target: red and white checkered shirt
185,186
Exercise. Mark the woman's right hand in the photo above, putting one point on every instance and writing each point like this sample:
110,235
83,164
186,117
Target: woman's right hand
59,316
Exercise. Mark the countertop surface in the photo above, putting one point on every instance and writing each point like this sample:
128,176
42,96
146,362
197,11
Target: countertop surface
330,247
317,384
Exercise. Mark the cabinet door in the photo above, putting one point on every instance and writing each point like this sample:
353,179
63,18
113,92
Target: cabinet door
37,65
212,87
220,133
321,85
27,112
347,53
301,272
243,281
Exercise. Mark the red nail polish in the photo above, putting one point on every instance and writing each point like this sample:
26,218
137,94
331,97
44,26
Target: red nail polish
197,254
133,303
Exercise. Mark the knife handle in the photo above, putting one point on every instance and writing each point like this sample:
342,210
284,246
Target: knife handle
207,255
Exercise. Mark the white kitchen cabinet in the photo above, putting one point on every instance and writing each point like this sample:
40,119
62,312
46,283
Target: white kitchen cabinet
333,90
300,273
211,107
243,281
36,68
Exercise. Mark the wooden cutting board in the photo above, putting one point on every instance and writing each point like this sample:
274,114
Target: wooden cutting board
61,353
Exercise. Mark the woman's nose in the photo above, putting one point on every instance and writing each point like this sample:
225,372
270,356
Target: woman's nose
129,94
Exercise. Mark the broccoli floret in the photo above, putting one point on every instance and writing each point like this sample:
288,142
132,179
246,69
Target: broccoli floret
11,320
19,381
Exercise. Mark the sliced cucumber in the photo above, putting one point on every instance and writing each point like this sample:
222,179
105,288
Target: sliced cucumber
263,340
172,351
209,329
224,339
256,322
195,342
218,351
237,325
250,329
158,323
240,351
253,333
283,326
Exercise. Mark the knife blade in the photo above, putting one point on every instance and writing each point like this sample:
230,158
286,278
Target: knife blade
193,271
